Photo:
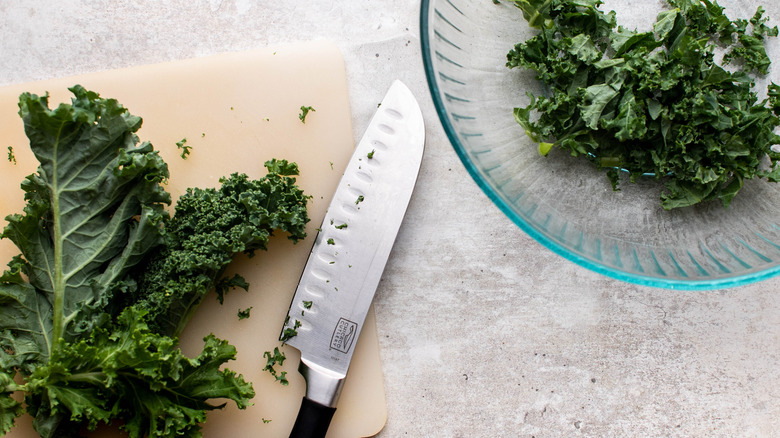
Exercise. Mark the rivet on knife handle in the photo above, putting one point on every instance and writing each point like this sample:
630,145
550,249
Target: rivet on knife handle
349,254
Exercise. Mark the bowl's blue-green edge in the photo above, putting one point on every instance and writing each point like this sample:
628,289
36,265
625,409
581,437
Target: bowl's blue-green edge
531,231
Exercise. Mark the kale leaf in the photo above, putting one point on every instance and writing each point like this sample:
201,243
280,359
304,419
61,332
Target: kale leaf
655,102
126,371
94,210
209,227
89,306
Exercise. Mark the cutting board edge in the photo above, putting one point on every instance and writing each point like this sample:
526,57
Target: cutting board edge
193,58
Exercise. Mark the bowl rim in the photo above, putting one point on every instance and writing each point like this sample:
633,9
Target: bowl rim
484,185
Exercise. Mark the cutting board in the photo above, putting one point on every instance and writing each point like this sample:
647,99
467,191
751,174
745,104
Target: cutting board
236,111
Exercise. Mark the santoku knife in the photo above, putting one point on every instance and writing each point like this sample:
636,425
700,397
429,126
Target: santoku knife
349,254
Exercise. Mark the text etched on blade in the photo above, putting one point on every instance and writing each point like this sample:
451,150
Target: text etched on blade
343,335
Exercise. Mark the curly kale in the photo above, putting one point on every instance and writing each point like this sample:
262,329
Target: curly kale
653,102
86,317
209,227
126,371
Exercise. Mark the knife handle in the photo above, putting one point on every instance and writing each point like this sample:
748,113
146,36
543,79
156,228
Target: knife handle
313,420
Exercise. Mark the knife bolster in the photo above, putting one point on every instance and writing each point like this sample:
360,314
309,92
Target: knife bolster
323,386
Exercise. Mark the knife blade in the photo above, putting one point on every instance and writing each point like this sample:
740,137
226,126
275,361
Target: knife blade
349,254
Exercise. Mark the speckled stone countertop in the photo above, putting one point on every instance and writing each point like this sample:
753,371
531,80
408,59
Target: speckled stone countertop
483,332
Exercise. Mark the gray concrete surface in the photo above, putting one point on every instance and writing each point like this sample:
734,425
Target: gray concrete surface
484,333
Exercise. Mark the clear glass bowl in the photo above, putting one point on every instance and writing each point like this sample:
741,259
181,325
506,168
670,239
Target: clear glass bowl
563,202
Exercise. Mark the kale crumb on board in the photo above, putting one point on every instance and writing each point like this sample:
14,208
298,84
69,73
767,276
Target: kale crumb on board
106,279
184,148
244,313
274,359
304,112
657,103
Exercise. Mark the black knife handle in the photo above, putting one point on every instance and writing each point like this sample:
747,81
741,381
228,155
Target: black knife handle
313,420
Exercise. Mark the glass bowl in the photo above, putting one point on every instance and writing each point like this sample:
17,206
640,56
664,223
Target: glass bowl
565,203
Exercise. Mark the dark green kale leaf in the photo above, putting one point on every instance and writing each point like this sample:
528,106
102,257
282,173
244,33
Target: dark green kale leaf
245,313
209,227
94,209
225,285
751,49
126,371
26,322
653,102
71,324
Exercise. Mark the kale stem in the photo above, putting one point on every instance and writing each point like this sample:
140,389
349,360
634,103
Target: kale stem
10,386
91,376
58,286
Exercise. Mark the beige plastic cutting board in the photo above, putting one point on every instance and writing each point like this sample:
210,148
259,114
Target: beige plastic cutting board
236,111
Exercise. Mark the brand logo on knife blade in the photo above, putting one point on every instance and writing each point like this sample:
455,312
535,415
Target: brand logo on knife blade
343,335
